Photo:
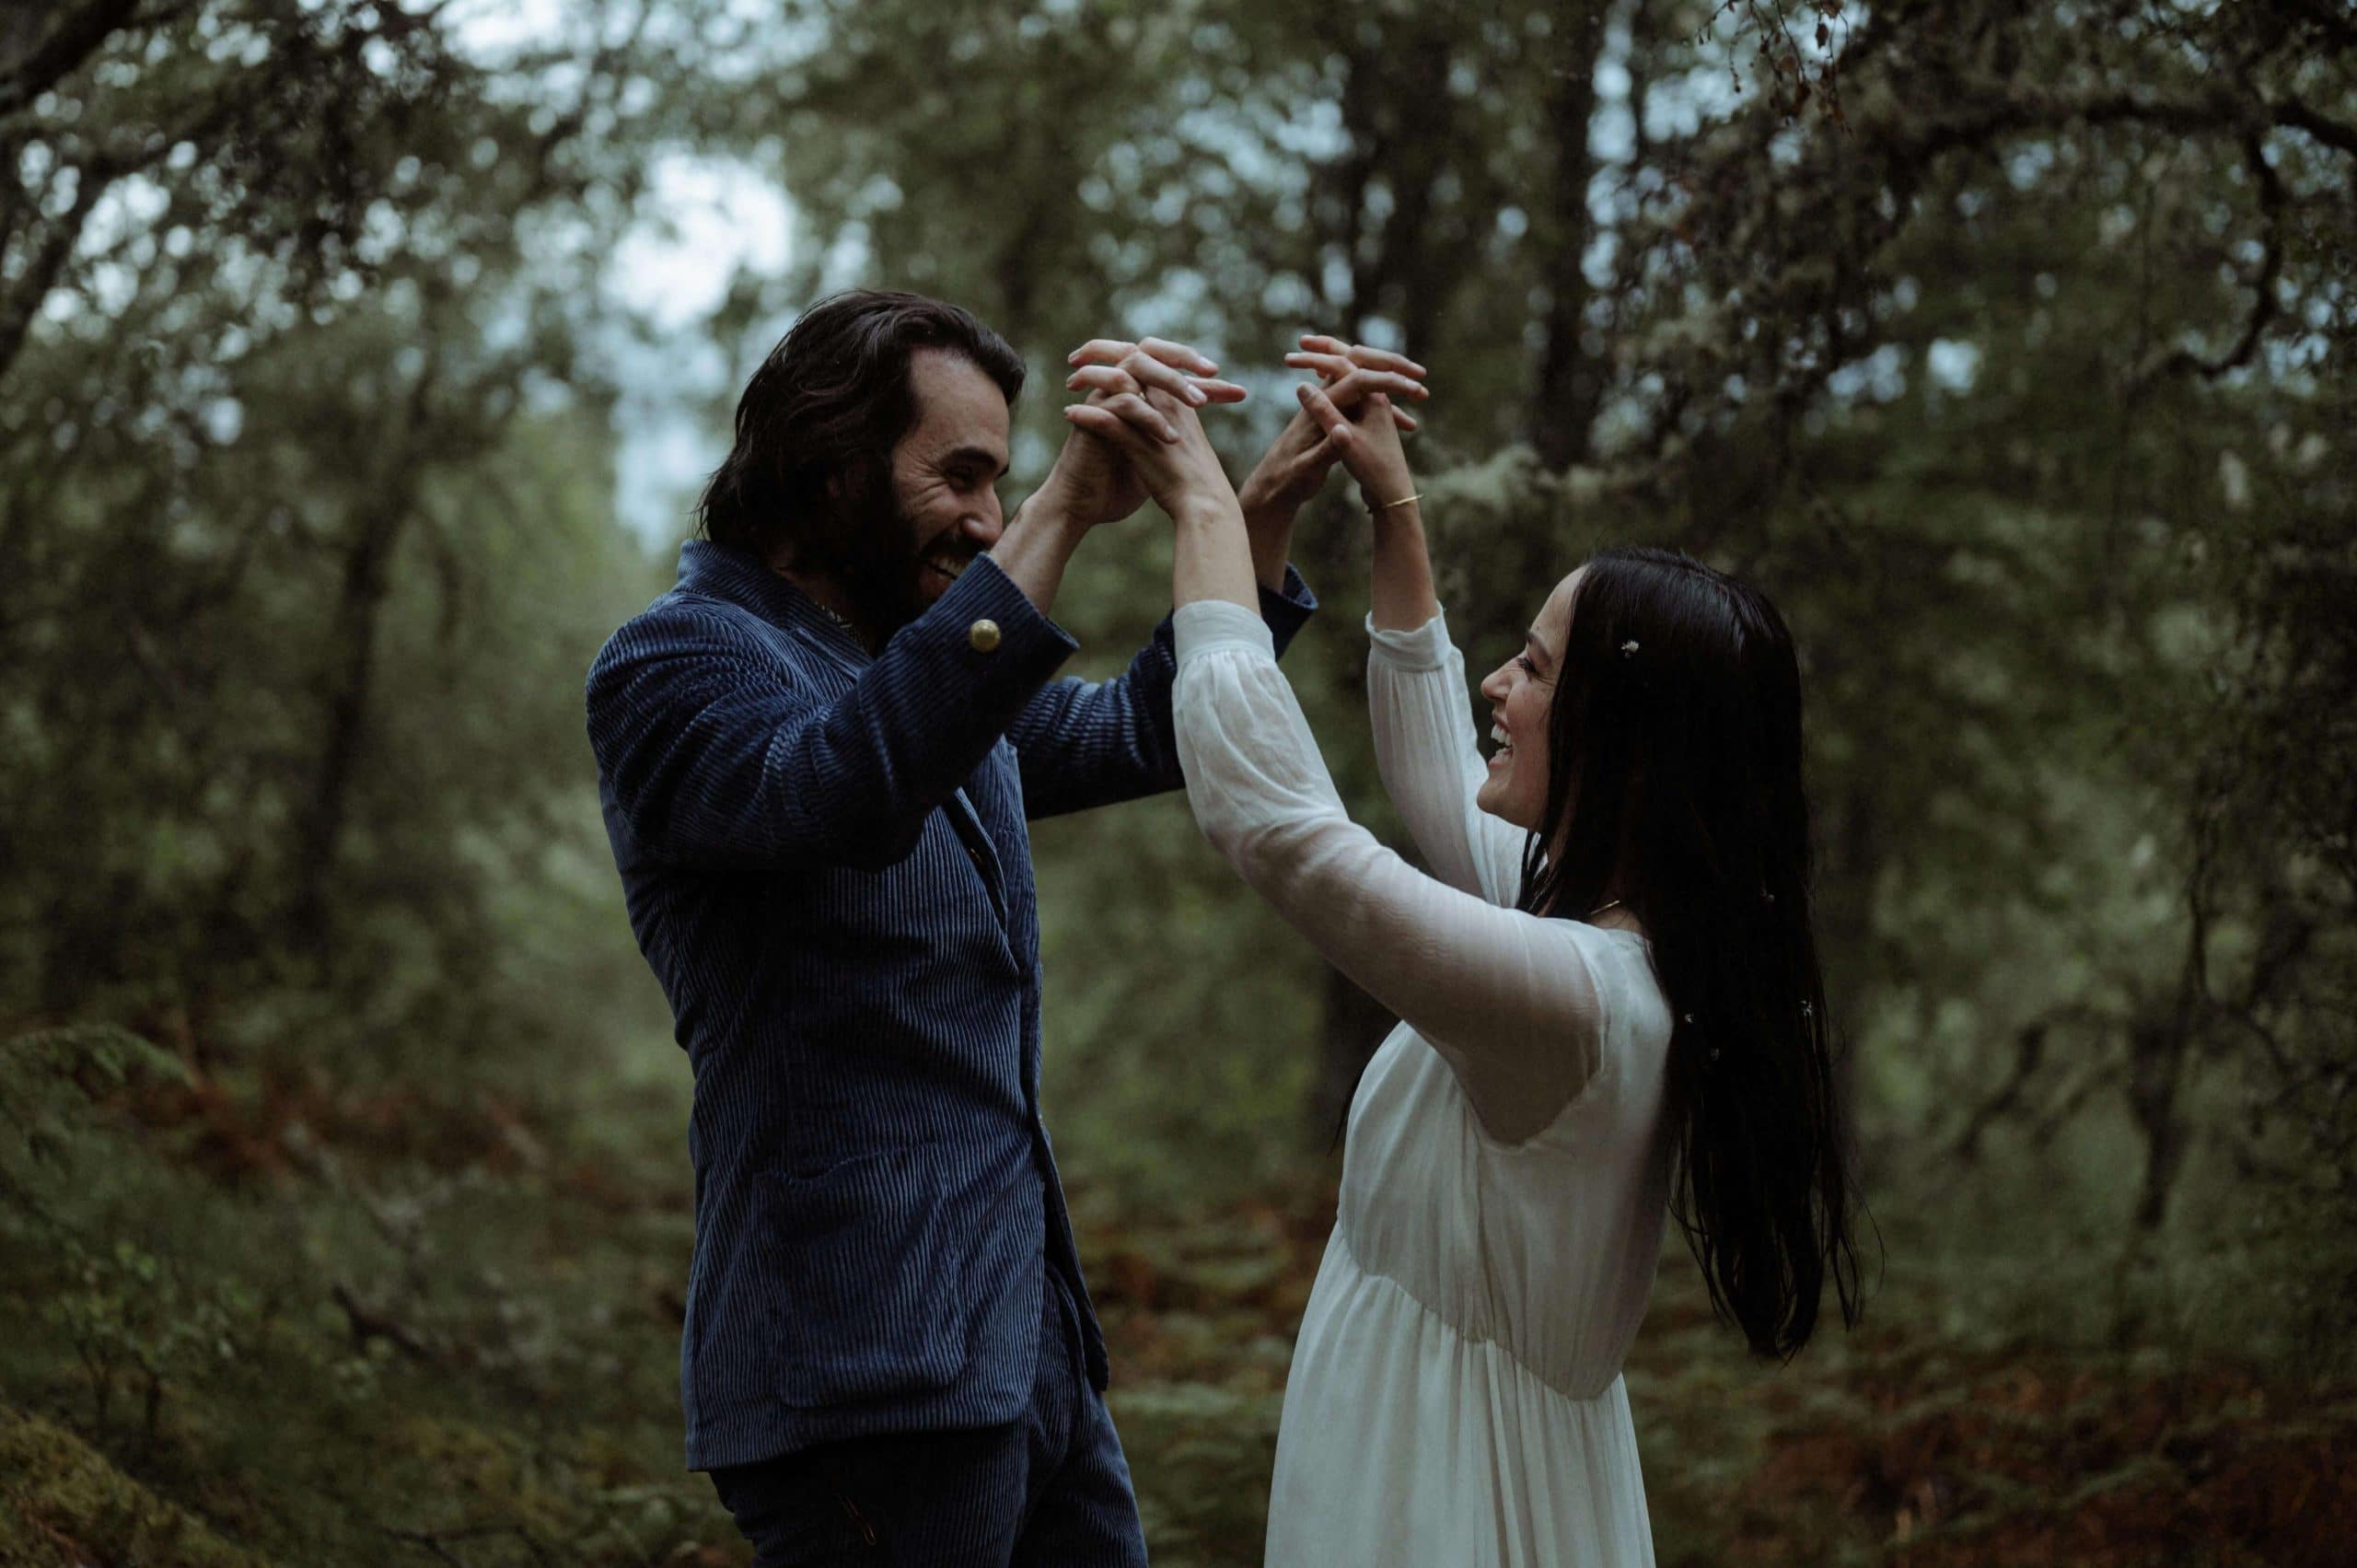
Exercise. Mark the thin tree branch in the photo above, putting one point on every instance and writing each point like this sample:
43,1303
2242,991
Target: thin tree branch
69,43
2264,307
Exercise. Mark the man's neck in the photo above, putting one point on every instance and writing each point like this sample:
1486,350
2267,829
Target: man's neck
829,596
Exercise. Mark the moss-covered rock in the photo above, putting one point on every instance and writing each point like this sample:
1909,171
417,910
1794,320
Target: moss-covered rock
60,1502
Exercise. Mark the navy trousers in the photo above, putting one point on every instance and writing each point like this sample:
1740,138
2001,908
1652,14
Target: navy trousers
1051,1488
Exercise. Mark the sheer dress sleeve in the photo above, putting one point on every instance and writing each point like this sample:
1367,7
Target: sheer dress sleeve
1507,998
1427,752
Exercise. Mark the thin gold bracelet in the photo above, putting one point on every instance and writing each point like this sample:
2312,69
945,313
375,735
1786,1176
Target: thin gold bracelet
1419,496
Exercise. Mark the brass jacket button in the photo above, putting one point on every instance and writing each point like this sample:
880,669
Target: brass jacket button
983,636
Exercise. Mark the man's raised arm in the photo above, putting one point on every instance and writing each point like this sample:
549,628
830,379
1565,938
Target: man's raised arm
715,754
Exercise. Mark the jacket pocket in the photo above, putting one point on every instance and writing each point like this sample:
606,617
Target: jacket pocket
855,1261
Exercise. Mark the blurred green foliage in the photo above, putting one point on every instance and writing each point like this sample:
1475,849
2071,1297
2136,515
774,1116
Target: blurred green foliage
342,1195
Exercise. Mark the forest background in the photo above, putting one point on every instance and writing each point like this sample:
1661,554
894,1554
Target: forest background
357,362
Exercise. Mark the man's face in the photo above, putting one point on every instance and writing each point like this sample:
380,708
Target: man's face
946,469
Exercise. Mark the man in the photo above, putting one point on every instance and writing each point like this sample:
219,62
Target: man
816,755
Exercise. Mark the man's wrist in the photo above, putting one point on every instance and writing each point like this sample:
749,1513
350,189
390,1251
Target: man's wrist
1264,517
1049,512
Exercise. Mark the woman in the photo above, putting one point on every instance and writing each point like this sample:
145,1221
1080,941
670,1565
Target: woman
1609,990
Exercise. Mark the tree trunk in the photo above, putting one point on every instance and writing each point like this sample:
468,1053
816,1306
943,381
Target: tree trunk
1406,269
352,660
367,577
1564,403
2155,1072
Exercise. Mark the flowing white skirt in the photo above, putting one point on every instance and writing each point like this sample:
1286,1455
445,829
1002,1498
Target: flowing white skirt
1405,1444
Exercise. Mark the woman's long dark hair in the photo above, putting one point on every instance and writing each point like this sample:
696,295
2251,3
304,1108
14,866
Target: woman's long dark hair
1674,786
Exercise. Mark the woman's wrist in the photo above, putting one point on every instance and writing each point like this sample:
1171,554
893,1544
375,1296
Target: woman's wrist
1207,511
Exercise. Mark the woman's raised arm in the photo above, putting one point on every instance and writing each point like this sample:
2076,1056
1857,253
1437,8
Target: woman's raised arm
1354,407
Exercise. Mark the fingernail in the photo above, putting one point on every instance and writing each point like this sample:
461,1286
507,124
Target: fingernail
1195,395
1302,392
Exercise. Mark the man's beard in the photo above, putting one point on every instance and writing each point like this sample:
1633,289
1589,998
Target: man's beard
881,569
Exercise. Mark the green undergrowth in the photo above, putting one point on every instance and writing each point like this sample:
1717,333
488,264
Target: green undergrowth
255,1320
334,1331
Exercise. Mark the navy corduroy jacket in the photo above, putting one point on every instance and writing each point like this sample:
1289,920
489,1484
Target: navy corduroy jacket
825,861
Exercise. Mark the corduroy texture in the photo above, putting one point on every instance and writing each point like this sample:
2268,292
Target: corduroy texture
825,859
1048,1490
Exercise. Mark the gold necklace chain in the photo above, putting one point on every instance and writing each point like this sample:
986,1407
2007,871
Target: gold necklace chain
849,629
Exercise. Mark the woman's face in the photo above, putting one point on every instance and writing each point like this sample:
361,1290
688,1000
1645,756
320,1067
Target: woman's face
1520,693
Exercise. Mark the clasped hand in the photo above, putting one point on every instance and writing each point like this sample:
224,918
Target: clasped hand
1134,391
1138,433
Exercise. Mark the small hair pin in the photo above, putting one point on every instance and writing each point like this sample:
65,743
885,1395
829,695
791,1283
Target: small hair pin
1714,1053
1688,1017
1767,898
1808,1010
1629,648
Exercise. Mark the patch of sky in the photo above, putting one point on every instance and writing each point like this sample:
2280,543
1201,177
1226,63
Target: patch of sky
1172,310
1287,294
1879,377
1612,134
1170,203
700,223
1595,262
1603,189
1953,364
1335,273
1314,132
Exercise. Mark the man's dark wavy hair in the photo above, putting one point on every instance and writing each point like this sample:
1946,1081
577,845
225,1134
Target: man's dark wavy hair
1674,785
829,404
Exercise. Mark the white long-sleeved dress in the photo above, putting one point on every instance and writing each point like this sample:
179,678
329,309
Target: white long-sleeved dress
1455,1395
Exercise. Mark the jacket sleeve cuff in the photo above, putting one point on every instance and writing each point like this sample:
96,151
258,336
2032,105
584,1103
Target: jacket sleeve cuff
995,630
1286,610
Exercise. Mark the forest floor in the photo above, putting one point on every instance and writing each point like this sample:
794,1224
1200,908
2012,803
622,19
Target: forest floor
263,1324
